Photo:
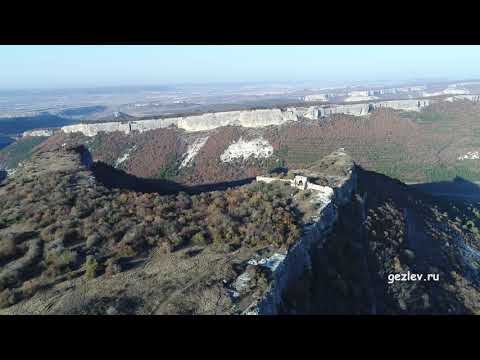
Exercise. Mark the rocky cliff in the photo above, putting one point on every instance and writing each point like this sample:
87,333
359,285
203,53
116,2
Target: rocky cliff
208,121
247,118
338,173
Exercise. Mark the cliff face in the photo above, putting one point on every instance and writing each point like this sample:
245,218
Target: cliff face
338,172
390,230
204,122
248,118
377,247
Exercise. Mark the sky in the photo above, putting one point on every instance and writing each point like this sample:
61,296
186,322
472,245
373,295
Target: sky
41,66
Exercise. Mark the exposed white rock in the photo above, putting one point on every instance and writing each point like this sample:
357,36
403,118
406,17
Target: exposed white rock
258,148
358,93
316,97
193,150
94,129
241,282
203,122
360,98
474,98
407,105
471,155
353,109
454,91
42,132
245,118
448,91
125,156
322,195
273,261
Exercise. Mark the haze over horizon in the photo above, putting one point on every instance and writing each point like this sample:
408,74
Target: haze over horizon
79,66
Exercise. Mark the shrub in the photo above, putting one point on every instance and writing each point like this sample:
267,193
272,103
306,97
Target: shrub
91,267
112,267
199,239
8,298
60,261
126,251
93,240
8,248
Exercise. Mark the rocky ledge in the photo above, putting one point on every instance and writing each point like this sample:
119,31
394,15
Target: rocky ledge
337,172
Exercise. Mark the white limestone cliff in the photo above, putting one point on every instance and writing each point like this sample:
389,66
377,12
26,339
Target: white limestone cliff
246,118
192,151
40,132
203,122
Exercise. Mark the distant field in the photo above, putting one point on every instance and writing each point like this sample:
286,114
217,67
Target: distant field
83,111
17,125
4,141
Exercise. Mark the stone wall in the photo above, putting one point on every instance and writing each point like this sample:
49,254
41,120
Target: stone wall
269,180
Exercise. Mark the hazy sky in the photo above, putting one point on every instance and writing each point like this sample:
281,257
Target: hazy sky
88,66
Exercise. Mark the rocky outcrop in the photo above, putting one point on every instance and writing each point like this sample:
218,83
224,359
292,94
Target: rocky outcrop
406,105
361,109
473,98
208,121
290,266
42,132
247,118
258,148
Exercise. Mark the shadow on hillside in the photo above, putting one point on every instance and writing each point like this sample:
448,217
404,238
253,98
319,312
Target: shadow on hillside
115,178
412,204
3,174
458,188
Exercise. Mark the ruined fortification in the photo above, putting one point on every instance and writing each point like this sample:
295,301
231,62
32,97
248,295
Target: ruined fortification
337,171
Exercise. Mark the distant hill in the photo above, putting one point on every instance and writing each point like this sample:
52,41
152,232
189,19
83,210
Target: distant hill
17,125
82,111
15,152
4,141
115,116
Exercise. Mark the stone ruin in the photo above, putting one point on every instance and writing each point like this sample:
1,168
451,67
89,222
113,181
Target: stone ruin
301,182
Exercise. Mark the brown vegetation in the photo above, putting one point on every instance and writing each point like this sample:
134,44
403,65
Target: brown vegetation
56,221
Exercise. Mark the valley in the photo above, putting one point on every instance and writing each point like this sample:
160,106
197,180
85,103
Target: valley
96,213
